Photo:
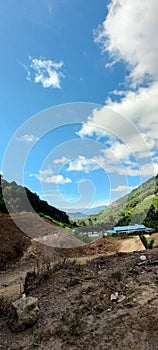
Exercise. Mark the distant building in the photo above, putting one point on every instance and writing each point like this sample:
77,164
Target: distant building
129,229
93,234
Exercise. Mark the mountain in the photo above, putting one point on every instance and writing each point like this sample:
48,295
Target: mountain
85,212
16,197
95,210
139,206
76,215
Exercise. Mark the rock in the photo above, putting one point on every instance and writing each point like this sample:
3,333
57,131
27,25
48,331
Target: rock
24,313
121,298
114,296
143,257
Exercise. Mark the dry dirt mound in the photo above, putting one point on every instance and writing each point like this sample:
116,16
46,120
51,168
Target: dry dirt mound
14,240
76,310
13,243
102,246
45,232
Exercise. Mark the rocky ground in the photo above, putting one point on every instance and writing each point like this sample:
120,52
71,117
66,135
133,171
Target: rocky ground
104,299
108,303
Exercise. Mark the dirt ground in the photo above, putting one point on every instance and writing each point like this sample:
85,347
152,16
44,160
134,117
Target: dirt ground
75,296
14,242
77,313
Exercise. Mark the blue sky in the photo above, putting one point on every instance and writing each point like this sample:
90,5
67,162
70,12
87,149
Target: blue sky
59,53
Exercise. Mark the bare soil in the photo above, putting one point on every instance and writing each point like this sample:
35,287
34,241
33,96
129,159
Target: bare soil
76,311
14,242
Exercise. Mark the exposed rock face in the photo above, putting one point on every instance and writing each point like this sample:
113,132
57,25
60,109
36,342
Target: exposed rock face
24,313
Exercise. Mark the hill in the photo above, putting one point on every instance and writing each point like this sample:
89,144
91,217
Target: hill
139,206
16,197
76,215
14,241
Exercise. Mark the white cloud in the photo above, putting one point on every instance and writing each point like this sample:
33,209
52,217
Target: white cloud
46,72
56,179
81,163
28,138
106,160
129,33
62,160
47,176
122,188
134,120
150,169
115,159
45,172
99,204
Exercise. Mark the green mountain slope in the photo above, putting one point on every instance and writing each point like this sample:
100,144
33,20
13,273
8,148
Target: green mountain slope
15,196
139,206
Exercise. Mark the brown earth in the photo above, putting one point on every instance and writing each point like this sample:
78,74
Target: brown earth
14,242
76,310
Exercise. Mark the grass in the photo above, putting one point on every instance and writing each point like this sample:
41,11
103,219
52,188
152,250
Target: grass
60,224
147,244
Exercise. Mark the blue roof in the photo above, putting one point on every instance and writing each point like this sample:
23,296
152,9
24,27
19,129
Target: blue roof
111,231
131,228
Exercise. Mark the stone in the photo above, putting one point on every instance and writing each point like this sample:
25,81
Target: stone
143,257
121,298
24,313
114,296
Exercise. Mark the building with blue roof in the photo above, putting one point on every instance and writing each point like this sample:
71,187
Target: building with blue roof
129,229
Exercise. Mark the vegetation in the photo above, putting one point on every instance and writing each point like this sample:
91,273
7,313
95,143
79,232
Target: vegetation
147,245
139,206
16,197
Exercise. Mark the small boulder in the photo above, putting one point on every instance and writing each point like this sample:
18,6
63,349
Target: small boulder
24,313
114,296
121,298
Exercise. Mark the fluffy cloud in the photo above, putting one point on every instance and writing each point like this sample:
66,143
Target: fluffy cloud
56,179
104,160
133,120
46,72
81,163
129,33
112,161
28,138
47,176
62,160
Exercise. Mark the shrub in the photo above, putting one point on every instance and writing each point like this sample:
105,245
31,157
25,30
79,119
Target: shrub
147,245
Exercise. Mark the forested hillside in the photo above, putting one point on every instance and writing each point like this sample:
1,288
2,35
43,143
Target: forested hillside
140,206
16,202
